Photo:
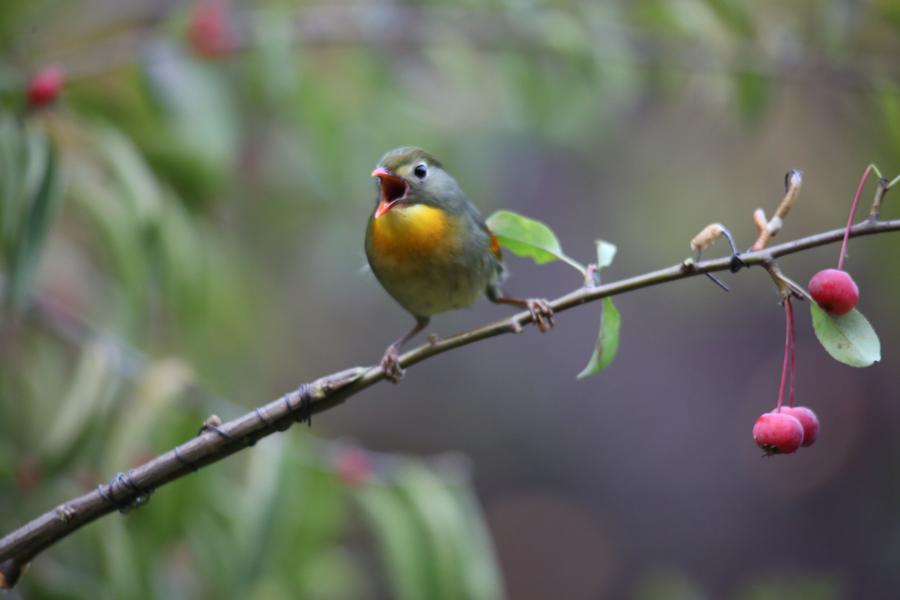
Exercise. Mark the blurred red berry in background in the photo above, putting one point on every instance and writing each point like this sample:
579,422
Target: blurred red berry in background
210,30
352,466
45,86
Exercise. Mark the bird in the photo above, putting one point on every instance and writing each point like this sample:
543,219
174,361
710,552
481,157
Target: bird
430,248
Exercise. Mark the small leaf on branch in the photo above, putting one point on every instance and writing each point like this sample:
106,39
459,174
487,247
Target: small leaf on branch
606,252
529,238
607,340
849,338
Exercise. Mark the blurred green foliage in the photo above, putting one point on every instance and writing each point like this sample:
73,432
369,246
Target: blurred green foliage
132,256
31,198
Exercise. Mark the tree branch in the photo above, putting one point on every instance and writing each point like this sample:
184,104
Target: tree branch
216,441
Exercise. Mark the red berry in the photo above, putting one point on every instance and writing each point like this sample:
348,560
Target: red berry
834,290
778,433
808,420
45,86
210,31
352,466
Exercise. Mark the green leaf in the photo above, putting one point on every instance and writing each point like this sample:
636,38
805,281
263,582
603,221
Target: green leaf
132,175
196,103
481,573
432,506
607,340
606,252
402,543
88,398
529,238
525,237
734,15
431,534
39,203
12,160
849,338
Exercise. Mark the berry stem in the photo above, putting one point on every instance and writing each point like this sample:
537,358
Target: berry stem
788,313
859,188
793,344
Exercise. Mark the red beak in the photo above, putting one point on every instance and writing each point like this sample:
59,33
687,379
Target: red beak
393,189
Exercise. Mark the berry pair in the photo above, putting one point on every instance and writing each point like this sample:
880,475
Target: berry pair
833,289
786,428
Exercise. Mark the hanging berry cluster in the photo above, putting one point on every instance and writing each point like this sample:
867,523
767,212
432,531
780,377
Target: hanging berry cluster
842,330
787,428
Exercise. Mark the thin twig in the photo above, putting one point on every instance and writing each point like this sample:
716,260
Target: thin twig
793,181
856,196
124,491
788,313
880,190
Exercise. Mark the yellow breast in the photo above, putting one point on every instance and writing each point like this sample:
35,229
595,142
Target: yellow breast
418,230
422,258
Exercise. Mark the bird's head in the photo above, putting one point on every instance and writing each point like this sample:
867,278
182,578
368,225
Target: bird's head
409,176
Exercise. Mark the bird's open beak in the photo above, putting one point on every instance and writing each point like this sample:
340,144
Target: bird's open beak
393,189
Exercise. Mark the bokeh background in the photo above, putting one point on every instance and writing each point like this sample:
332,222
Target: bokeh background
196,248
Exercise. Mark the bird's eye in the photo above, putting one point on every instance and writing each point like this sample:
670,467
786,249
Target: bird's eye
421,170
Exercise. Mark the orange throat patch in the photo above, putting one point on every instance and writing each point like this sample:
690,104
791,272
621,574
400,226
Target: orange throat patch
405,232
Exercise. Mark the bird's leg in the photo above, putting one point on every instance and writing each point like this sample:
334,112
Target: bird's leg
540,309
390,362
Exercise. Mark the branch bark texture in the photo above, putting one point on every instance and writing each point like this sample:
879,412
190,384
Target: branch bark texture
219,440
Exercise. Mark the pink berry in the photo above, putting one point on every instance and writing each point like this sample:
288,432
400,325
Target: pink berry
352,466
778,433
834,290
210,32
45,86
808,420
